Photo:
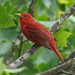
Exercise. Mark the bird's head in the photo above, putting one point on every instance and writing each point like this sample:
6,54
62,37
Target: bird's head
25,18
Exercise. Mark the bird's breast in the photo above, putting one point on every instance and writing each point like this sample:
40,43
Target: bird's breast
25,32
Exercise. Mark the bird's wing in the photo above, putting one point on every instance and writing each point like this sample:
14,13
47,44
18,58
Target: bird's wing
38,33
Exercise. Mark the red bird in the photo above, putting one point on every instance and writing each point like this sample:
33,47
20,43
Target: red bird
36,33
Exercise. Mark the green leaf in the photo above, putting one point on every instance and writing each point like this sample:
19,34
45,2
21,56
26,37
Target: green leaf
16,70
63,1
5,73
61,38
37,53
31,70
70,2
2,2
25,46
53,6
46,59
47,23
44,17
2,65
47,3
4,47
9,7
8,34
24,9
5,19
42,66
41,17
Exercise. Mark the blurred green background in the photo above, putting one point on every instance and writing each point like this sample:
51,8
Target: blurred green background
46,12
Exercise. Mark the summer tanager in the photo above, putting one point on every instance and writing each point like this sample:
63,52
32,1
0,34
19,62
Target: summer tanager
36,33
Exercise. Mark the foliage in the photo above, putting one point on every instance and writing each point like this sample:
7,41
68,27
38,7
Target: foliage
46,12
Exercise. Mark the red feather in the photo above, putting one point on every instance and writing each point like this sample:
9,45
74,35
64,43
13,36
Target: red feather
36,33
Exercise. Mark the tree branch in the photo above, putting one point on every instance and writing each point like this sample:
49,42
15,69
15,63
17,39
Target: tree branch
62,18
14,47
32,7
68,63
67,73
58,69
54,28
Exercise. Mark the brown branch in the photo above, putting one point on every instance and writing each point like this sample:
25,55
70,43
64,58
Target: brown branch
54,28
67,73
73,68
22,58
14,47
63,17
20,48
61,67
58,69
32,7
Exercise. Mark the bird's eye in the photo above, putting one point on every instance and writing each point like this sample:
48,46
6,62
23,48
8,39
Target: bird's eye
24,16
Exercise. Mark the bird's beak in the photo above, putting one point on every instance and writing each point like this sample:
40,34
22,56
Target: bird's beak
18,15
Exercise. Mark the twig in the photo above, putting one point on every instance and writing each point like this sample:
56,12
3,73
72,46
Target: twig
54,28
56,70
22,58
63,17
32,7
73,69
19,50
14,47
70,57
65,72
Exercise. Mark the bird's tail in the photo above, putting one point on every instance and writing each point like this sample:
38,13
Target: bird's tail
58,54
56,51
